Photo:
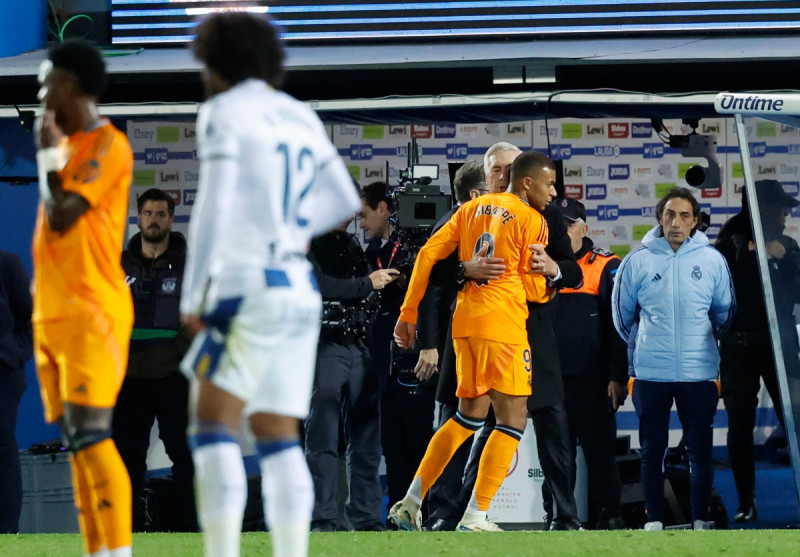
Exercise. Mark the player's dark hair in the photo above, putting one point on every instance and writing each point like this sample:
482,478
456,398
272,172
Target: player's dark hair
155,194
468,177
529,163
238,46
85,61
374,193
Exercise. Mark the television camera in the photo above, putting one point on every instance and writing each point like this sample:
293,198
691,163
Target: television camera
694,145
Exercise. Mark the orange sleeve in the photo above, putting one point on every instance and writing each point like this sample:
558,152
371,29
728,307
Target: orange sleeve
438,246
98,167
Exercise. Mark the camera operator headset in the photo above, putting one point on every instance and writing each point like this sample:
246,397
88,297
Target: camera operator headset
406,411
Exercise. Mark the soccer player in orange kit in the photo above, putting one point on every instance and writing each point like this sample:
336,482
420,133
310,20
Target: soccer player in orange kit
489,336
82,308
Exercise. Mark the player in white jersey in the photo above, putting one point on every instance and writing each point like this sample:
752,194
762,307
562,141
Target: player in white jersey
270,179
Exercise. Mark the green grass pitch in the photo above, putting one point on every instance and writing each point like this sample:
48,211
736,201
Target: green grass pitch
620,543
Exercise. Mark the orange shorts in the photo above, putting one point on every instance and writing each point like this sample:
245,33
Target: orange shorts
81,360
482,365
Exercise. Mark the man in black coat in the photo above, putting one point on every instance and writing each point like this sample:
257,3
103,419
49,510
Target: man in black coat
154,388
746,349
16,348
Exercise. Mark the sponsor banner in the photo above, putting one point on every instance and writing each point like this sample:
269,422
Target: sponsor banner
398,131
662,188
571,131
421,131
607,212
619,233
620,250
446,131
639,230
619,171
517,129
519,499
352,132
468,130
573,191
373,131
619,130
711,193
596,191
752,103
641,130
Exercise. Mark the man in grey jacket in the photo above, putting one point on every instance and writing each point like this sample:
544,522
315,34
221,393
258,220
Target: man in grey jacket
672,299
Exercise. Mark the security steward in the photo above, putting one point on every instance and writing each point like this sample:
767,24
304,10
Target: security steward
154,388
594,366
345,398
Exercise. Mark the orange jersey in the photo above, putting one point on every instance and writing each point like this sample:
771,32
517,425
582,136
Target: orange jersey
497,310
79,270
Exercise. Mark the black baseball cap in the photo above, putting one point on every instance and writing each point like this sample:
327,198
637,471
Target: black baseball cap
771,192
571,209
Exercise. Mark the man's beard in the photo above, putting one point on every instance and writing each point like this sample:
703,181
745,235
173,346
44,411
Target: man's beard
155,236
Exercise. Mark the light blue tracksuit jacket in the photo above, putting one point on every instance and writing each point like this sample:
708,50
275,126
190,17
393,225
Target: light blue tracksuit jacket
671,307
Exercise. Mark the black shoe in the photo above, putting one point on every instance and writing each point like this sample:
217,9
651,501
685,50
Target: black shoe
562,524
610,522
747,512
324,526
548,522
442,525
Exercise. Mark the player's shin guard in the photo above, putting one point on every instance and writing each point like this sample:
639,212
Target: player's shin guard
494,463
441,448
288,493
110,493
221,490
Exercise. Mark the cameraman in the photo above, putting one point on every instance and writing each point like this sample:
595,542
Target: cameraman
345,395
406,411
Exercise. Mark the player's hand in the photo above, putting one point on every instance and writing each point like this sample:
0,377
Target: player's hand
481,267
48,134
428,363
193,323
404,334
541,263
617,393
382,277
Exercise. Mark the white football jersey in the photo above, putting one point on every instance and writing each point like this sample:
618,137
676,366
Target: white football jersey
270,180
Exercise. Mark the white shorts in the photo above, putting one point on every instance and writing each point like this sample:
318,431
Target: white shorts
267,355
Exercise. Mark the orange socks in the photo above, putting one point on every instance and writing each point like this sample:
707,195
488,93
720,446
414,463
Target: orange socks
103,495
495,460
441,448
92,538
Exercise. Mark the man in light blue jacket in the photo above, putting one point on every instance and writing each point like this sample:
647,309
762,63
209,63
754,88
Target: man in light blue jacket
672,299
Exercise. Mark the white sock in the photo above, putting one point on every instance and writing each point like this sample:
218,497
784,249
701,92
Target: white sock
288,493
120,552
413,498
221,490
102,552
472,511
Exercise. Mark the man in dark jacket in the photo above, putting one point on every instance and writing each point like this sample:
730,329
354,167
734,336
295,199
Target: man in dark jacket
594,366
154,388
746,350
16,348
346,397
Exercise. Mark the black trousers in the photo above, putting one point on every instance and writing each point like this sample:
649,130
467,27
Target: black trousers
742,367
406,413
345,392
593,425
140,403
12,385
445,498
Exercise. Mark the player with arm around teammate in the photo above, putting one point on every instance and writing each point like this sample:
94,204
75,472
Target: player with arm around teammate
489,337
